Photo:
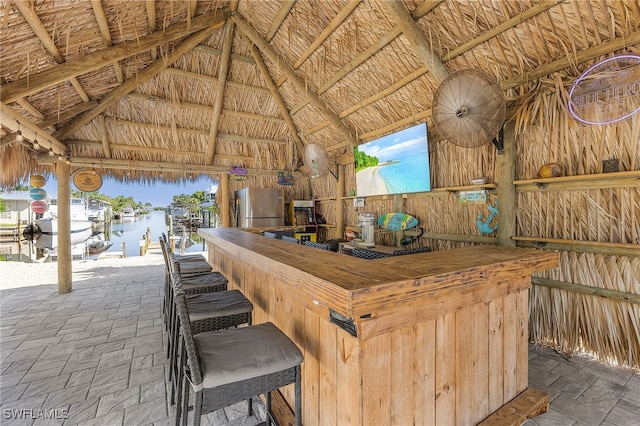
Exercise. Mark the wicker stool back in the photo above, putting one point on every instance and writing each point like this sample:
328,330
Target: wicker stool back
222,369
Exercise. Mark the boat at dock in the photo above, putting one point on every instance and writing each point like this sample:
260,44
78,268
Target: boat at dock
50,226
128,214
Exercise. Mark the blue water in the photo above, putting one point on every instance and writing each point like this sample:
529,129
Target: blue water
131,232
411,174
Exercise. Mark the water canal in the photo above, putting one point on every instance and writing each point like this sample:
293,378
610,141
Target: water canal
119,237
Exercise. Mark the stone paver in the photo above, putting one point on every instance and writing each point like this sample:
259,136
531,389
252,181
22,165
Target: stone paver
95,356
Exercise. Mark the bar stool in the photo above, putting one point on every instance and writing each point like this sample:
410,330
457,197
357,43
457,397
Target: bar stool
204,282
207,312
229,366
189,263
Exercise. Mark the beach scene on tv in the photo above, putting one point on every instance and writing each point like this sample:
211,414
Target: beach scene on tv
394,164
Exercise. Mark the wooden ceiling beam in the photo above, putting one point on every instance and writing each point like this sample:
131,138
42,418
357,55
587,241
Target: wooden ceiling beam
66,115
411,30
29,108
223,73
353,64
566,62
285,8
160,151
30,15
204,108
424,8
333,25
506,25
10,119
293,130
35,83
103,26
154,166
104,136
146,74
151,19
295,79
209,79
218,52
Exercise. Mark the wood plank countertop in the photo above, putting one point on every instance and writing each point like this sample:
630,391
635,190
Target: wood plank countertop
357,287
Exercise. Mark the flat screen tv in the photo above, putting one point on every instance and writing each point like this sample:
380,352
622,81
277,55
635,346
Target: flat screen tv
394,164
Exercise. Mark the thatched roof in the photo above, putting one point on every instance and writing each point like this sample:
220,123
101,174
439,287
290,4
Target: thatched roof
138,89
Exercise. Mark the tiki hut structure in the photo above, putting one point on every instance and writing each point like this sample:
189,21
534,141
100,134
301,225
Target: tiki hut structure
175,90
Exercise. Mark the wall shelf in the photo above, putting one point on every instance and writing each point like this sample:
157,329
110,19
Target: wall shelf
592,181
435,192
617,249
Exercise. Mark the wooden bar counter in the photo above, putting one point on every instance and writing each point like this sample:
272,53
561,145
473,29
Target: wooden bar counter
435,338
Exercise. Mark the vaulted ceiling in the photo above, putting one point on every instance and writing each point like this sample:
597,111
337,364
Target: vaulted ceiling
180,88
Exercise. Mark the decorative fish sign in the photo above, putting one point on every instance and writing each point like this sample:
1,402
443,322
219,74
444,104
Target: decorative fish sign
485,227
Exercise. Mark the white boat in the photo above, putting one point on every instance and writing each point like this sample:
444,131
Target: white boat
78,241
77,209
128,214
50,226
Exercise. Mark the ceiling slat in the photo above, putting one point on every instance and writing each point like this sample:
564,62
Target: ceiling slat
90,62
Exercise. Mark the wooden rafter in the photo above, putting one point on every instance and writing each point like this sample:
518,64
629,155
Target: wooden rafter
213,80
154,166
506,25
92,61
203,108
297,81
149,72
9,119
335,23
279,19
417,38
424,8
103,25
354,63
66,115
160,151
151,18
293,130
225,65
218,52
187,131
29,108
533,11
566,62
104,136
34,22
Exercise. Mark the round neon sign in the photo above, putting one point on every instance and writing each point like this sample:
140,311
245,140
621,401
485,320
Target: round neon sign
607,92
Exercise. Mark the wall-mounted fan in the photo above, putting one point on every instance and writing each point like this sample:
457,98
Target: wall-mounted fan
316,160
468,108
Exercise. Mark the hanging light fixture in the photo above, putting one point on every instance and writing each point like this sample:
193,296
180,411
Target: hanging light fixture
60,157
68,157
19,136
51,153
36,145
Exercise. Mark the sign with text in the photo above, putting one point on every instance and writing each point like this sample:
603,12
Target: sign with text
473,197
607,92
87,180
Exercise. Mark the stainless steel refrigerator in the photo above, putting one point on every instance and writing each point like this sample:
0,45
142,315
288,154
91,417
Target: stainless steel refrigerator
259,207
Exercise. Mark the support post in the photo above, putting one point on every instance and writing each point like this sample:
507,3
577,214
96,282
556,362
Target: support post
65,283
223,203
506,172
340,203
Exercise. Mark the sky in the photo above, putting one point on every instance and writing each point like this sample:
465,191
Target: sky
159,194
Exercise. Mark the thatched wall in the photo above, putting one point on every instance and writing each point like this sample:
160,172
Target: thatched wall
545,132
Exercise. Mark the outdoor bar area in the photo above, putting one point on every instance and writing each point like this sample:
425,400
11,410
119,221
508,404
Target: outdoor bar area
433,338
420,212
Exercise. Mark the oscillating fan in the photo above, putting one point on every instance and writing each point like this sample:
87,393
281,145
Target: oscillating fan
469,108
315,158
